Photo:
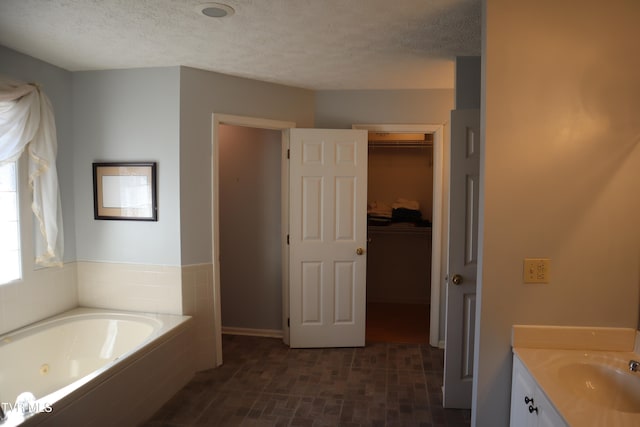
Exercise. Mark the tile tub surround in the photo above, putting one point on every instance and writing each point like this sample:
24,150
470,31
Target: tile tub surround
132,287
545,350
198,301
264,383
41,293
186,289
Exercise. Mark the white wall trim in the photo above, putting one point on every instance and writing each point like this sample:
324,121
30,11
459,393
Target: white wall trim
253,122
438,229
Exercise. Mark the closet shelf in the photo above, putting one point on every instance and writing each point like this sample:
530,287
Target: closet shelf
400,144
400,140
399,228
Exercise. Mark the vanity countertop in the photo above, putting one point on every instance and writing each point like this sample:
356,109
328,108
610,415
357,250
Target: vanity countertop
584,371
556,372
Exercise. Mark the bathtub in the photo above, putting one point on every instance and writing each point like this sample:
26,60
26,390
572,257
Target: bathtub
93,367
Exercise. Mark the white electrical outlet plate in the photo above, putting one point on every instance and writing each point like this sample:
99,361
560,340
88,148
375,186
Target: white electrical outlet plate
536,270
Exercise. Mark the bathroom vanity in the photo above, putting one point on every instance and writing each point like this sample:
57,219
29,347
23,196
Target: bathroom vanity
574,376
529,405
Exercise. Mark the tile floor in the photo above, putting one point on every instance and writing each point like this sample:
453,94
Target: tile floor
264,383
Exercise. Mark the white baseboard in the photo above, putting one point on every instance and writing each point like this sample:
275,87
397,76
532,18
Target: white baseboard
267,333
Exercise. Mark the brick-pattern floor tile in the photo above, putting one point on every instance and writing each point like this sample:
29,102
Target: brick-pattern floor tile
264,383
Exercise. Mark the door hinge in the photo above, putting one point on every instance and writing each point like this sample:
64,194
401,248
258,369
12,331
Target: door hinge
288,153
288,322
287,239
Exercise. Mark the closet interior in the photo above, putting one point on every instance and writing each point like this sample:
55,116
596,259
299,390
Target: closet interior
399,214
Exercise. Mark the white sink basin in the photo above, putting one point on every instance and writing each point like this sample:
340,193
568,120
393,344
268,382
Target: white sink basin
602,385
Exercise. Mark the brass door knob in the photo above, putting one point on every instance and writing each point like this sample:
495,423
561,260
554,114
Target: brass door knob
456,279
359,251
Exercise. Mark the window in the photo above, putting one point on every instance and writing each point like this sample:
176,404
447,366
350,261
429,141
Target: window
10,262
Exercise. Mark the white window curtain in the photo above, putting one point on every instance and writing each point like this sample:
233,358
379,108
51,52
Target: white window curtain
26,122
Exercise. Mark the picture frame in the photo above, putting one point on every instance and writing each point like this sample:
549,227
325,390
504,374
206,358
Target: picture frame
125,191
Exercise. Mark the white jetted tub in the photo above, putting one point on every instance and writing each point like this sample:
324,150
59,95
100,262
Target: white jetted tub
93,367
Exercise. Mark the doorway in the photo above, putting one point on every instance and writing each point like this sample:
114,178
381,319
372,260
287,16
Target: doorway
250,230
399,314
281,127
400,213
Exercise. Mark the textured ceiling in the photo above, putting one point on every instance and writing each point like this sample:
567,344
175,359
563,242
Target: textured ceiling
315,44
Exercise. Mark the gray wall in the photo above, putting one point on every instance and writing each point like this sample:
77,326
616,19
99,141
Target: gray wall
342,108
468,82
163,115
56,83
250,227
561,177
201,94
128,115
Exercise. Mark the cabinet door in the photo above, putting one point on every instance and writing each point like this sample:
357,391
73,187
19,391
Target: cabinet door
522,387
529,405
547,415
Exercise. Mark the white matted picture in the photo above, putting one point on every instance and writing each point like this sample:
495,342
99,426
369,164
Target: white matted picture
125,191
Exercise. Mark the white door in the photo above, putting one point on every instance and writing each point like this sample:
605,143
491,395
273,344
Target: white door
327,237
463,252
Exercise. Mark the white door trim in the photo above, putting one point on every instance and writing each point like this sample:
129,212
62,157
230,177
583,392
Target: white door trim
259,123
438,225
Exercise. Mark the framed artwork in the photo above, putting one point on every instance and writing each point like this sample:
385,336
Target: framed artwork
125,191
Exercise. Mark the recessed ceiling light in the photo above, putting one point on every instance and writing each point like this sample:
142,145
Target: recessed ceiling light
215,10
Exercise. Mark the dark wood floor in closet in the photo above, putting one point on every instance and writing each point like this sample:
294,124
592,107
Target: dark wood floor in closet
397,323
